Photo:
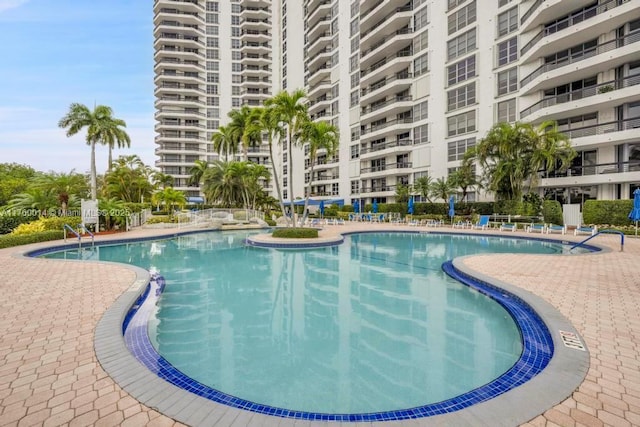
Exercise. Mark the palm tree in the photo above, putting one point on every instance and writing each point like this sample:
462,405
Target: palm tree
224,142
162,180
271,125
423,186
221,185
170,197
129,180
403,192
320,136
197,171
245,128
63,186
465,177
101,127
34,198
292,113
442,188
113,135
512,155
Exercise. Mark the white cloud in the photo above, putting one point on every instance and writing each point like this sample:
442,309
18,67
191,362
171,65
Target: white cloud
11,4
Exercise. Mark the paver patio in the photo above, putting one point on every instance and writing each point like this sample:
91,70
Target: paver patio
49,374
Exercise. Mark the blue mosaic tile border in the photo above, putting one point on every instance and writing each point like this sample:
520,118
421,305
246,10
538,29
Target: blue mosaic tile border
537,352
311,245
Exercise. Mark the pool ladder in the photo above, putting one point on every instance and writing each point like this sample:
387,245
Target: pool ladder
76,233
602,232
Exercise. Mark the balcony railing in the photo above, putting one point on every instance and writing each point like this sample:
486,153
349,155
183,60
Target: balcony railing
385,167
582,55
377,127
391,144
401,31
377,106
384,82
602,128
400,54
595,169
322,3
407,7
532,9
598,89
570,21
377,189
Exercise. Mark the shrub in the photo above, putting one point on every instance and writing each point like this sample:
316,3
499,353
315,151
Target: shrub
296,233
47,224
614,212
10,240
158,219
270,222
552,212
9,222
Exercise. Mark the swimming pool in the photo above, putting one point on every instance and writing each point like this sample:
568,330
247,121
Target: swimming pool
358,328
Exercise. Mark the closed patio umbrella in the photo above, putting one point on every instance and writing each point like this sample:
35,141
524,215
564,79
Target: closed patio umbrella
452,211
375,206
410,206
321,208
356,206
634,215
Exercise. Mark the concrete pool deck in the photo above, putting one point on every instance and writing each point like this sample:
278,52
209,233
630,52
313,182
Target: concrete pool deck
49,373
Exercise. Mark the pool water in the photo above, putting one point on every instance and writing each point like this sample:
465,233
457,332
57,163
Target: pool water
371,325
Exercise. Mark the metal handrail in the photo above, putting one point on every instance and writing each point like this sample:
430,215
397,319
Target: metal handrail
602,232
93,238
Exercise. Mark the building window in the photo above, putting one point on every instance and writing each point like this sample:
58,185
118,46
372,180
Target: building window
421,65
461,124
462,18
421,42
461,70
420,20
456,149
355,133
355,187
506,111
355,151
421,111
508,51
508,81
461,45
461,97
454,3
355,98
421,134
508,22
503,2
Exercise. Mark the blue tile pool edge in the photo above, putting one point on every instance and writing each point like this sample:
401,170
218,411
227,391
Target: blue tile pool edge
538,351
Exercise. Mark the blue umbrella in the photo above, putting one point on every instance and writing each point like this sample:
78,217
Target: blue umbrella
375,206
634,215
410,207
452,210
356,206
321,207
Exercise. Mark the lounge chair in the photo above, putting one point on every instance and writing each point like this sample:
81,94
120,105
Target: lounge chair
413,223
482,223
462,224
553,228
331,221
339,221
585,230
536,228
434,223
509,227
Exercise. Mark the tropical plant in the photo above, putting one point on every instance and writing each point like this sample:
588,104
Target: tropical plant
34,198
423,186
113,211
464,177
224,142
63,186
245,128
271,125
319,136
101,126
14,179
129,180
196,172
291,113
442,188
170,197
221,186
511,156
162,180
403,192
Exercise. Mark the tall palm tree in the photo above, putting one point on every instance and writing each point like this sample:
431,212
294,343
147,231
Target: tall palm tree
320,136
552,151
270,124
245,128
442,188
224,142
114,135
465,177
291,112
170,197
221,186
101,128
63,186
423,186
162,180
129,180
197,171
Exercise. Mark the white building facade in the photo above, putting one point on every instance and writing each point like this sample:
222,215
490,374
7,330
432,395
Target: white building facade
411,85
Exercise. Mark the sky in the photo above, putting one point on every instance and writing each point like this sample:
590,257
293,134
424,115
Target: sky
57,52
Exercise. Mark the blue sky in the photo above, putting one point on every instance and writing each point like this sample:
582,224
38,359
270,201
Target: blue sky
55,52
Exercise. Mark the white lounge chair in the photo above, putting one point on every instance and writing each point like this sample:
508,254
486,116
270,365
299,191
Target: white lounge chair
552,228
536,228
585,230
509,227
482,223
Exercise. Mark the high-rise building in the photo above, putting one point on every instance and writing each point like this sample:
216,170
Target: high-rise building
411,85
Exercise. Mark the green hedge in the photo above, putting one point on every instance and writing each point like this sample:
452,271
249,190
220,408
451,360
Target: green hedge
9,240
296,233
552,212
613,212
9,222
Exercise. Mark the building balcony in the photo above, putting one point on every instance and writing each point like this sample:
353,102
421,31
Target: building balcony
259,48
383,15
572,30
255,24
378,191
320,73
249,35
178,112
318,43
389,128
320,103
177,101
320,10
255,82
178,39
385,86
255,71
184,65
167,88
318,27
175,14
602,57
384,108
185,54
180,77
389,169
181,136
392,64
600,96
255,59
319,88
182,5
387,148
319,57
251,12
399,41
604,134
172,26
601,173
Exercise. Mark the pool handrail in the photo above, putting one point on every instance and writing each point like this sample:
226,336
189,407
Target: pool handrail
76,233
602,232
